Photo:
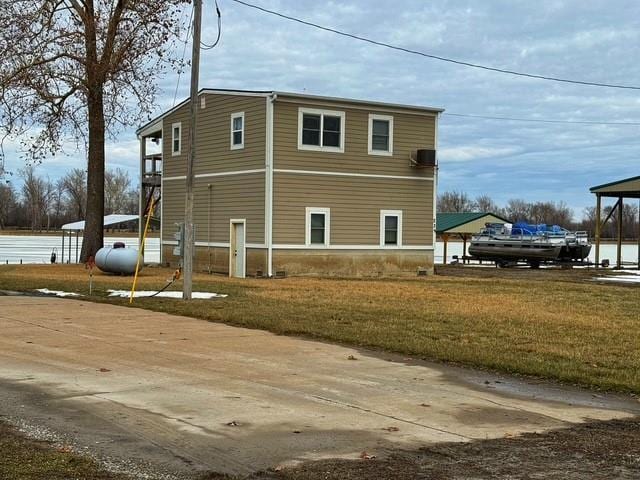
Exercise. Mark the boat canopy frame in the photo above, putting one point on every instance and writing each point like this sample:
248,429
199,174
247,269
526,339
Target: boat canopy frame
620,189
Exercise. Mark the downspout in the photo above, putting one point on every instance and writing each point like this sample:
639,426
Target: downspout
269,184
210,188
435,193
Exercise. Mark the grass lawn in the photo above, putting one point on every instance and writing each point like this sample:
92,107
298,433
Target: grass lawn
25,459
550,324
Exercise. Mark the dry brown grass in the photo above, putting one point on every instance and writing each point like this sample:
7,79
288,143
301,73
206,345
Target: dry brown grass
22,458
573,331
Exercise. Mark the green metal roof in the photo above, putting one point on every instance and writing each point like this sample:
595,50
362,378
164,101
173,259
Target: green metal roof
611,184
447,221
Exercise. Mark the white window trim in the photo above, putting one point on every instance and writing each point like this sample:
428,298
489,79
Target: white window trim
388,118
173,138
390,213
327,226
322,113
233,117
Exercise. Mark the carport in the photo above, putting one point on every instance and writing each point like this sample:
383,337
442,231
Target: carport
621,189
77,227
463,225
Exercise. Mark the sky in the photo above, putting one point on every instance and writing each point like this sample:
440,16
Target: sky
595,41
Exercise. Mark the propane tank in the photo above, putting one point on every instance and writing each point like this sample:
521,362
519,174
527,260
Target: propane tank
117,259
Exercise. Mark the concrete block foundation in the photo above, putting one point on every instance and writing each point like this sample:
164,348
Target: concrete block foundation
352,263
319,263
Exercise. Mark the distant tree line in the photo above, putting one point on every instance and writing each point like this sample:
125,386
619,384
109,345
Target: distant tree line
554,213
42,204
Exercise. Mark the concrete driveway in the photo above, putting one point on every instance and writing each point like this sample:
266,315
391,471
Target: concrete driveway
188,394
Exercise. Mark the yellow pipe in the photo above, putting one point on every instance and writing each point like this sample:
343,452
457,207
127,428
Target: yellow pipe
141,249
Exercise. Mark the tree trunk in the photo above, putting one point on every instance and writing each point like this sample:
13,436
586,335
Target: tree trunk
94,222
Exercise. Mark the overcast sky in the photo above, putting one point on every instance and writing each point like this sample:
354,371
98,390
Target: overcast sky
592,40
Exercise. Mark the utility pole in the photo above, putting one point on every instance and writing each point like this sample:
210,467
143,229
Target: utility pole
189,241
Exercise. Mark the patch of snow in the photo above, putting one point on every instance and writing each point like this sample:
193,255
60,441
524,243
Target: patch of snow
620,278
57,293
148,293
627,272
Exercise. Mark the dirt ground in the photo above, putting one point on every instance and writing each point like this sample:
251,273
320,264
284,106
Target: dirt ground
596,451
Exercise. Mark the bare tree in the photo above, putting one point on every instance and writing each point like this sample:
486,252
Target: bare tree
484,203
75,185
455,202
57,203
36,193
588,221
81,69
630,220
117,184
7,203
518,210
132,199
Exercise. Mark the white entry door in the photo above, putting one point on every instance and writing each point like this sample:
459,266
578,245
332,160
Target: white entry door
237,249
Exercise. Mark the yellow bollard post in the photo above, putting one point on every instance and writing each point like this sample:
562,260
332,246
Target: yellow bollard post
141,249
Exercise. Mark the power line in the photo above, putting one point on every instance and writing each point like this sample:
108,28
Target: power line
184,51
535,120
436,57
209,47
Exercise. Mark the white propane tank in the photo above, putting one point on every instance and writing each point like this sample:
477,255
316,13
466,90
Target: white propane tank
117,259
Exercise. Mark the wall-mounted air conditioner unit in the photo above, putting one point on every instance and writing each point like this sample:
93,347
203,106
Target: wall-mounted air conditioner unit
423,158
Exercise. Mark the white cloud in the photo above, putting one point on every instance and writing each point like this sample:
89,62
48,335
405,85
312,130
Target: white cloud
469,153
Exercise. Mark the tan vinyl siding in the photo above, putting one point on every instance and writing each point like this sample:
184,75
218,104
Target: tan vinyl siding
355,204
411,131
232,196
213,148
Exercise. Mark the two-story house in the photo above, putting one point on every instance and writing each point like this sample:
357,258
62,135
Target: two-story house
298,184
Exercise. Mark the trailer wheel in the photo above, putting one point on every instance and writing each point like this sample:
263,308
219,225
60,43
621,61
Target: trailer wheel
534,264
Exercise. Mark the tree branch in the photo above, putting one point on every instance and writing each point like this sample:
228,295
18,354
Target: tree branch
112,30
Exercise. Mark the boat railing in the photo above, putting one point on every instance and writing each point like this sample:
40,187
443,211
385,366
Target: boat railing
524,234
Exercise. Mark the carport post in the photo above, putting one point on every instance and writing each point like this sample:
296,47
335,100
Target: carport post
619,249
62,259
638,234
445,238
464,248
598,213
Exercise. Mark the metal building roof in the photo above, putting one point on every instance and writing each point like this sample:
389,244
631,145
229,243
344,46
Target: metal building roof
627,187
447,221
108,220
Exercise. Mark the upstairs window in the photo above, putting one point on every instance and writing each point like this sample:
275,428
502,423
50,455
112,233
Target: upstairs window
321,130
380,135
176,138
391,228
317,223
237,130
